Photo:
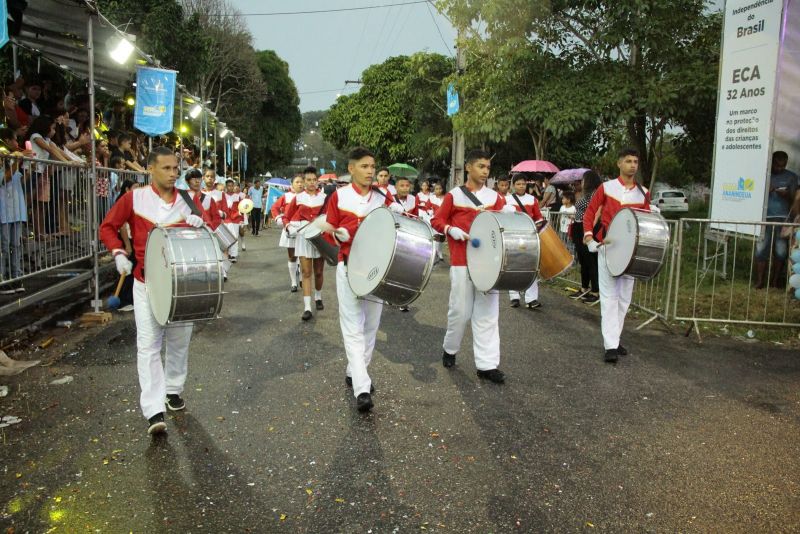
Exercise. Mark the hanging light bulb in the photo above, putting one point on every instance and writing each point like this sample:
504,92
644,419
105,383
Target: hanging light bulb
122,51
195,111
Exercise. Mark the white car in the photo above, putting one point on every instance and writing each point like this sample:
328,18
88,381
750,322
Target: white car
670,200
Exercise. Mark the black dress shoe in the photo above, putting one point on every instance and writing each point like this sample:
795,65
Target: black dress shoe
306,315
320,305
294,289
448,360
156,424
532,305
622,351
493,375
364,402
348,381
611,355
515,303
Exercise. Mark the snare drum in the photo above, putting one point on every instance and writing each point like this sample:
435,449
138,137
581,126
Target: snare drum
507,255
391,257
637,243
556,258
313,233
183,274
225,238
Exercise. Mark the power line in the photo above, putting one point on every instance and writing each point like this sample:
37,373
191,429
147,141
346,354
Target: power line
280,13
446,47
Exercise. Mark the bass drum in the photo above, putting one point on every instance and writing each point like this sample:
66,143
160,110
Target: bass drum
556,258
637,243
183,274
507,255
391,258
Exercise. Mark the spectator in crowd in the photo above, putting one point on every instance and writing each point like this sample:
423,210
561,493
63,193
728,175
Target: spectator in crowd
771,247
10,108
67,177
115,117
45,183
79,123
28,106
535,187
590,288
63,139
124,141
256,194
549,193
567,213
13,213
102,152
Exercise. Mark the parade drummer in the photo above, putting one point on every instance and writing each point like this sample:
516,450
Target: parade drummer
616,292
524,202
454,218
161,384
287,241
359,319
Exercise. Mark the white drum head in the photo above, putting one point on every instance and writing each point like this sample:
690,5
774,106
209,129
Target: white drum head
372,252
485,261
621,237
158,274
312,229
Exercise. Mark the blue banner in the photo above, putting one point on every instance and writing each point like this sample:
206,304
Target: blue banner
155,100
4,27
452,100
273,194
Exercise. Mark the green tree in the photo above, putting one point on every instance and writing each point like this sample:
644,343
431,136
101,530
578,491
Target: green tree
399,112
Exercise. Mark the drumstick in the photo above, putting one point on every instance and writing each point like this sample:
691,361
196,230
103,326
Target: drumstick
113,301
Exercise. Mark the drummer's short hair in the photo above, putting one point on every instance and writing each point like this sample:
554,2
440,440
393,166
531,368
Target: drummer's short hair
159,151
477,154
629,151
193,173
229,181
518,178
310,170
358,153
400,178
503,179
384,169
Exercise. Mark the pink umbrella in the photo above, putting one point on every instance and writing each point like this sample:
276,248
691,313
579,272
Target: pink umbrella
534,165
567,176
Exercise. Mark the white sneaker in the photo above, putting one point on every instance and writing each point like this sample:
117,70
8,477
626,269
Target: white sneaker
127,308
244,247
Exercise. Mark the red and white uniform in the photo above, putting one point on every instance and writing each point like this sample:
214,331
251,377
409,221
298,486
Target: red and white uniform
358,319
206,203
388,188
409,204
530,204
466,303
423,200
142,209
279,216
233,219
303,209
615,291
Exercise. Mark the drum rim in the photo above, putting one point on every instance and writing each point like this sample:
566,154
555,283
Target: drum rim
503,251
536,272
171,266
636,245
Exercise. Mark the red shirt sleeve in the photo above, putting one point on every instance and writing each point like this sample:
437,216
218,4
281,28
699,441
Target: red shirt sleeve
332,213
597,201
291,209
277,206
442,217
536,213
120,213
499,203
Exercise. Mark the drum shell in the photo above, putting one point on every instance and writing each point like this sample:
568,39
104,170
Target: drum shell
518,248
193,279
555,257
314,234
225,238
652,237
411,260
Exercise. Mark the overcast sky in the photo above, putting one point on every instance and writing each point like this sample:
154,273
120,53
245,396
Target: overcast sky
325,49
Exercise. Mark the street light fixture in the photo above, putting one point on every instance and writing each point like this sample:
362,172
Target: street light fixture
195,111
122,50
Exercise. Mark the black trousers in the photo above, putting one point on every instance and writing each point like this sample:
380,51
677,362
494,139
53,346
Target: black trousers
587,260
255,220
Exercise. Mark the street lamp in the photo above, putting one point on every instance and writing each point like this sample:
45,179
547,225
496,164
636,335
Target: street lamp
122,49
195,111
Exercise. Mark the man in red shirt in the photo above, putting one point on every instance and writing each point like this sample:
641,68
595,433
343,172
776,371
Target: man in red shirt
615,291
523,201
142,209
454,218
358,318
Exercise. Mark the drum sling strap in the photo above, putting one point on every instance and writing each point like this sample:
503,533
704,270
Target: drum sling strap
381,193
519,202
192,206
472,197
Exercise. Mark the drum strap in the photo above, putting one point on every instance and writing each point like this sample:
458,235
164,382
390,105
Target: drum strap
470,196
518,202
381,193
192,206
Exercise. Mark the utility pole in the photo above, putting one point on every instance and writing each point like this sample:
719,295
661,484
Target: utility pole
457,162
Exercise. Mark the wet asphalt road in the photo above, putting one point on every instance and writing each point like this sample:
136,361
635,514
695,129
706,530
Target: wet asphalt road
678,437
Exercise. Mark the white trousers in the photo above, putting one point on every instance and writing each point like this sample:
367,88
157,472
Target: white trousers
359,321
531,294
234,228
482,309
157,379
615,298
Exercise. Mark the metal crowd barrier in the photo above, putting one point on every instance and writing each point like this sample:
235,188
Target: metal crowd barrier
47,222
717,274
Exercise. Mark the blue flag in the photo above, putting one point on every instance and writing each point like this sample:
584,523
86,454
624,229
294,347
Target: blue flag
4,26
452,100
273,194
155,100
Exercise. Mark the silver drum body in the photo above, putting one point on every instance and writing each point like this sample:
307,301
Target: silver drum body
508,251
314,234
391,258
637,243
183,274
225,237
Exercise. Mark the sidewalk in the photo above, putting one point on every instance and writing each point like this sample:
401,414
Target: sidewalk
678,436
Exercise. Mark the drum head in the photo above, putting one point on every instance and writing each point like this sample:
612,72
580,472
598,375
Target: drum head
485,261
158,274
621,236
372,252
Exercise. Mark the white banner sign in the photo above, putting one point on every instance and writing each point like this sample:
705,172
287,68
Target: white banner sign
744,113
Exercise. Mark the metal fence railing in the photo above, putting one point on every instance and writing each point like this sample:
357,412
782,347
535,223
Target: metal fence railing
46,219
726,274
